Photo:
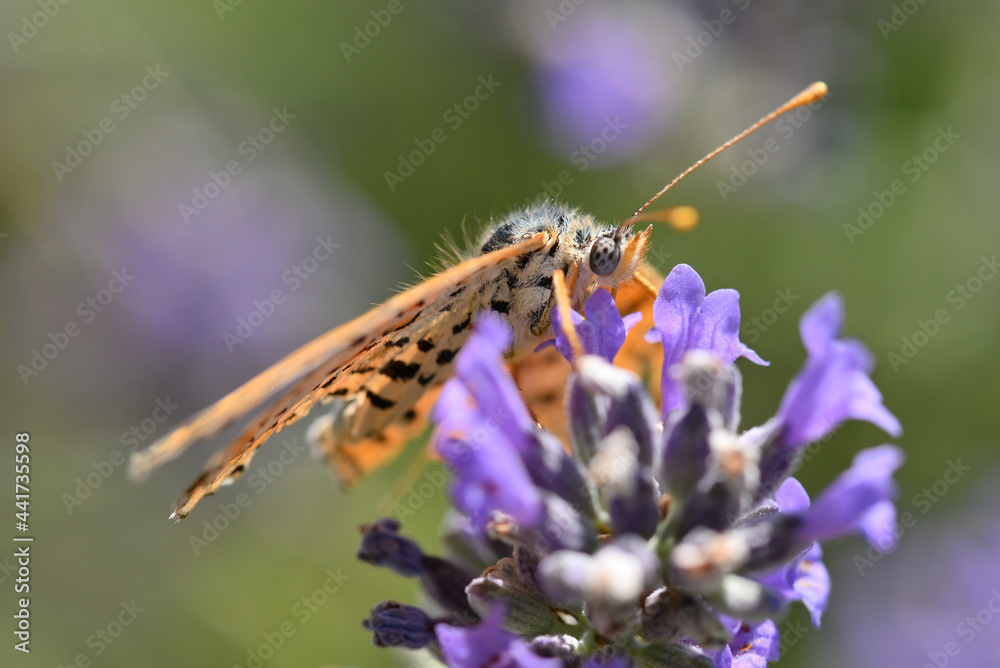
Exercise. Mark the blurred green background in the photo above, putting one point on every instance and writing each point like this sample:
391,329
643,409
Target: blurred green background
115,116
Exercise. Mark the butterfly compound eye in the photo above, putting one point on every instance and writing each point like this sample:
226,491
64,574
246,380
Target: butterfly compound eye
605,255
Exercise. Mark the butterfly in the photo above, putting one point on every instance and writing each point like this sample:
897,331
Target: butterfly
378,374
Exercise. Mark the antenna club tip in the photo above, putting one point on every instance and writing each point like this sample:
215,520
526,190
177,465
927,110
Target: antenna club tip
683,218
817,91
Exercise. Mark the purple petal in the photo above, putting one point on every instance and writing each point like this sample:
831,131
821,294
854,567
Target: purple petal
491,479
481,369
805,579
791,497
751,647
822,324
602,332
483,426
675,307
878,526
812,583
845,505
604,320
686,319
829,390
718,328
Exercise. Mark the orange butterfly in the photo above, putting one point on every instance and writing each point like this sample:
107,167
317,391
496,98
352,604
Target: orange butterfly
378,372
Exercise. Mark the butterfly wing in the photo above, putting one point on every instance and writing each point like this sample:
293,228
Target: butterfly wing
371,358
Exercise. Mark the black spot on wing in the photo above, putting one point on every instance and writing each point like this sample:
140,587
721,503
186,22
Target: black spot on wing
510,278
425,345
409,416
425,380
462,325
398,343
379,401
407,323
457,292
400,370
339,392
500,306
446,356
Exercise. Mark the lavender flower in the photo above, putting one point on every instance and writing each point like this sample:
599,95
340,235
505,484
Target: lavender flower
658,542
488,645
688,319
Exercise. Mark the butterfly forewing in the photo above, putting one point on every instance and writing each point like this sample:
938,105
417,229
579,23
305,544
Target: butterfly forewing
315,371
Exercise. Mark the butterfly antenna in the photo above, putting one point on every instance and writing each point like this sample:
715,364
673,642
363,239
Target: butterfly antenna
813,93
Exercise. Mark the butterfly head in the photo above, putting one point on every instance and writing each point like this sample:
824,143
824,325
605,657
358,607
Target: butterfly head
615,255
609,255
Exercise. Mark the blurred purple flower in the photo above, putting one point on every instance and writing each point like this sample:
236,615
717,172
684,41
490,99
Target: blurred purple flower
396,625
482,427
488,645
604,89
935,603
